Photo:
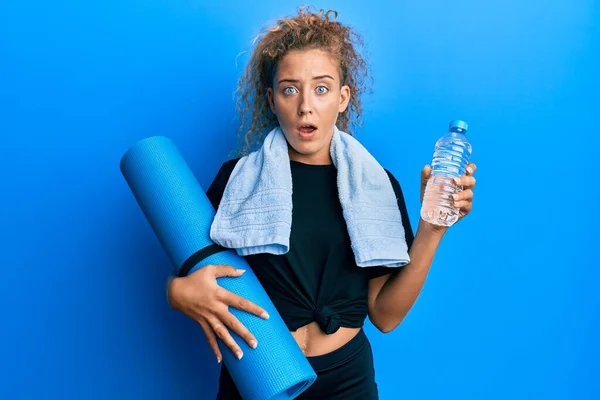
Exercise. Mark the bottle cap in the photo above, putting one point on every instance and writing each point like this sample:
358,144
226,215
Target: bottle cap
458,125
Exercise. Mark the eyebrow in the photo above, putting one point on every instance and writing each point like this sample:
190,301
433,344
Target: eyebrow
315,78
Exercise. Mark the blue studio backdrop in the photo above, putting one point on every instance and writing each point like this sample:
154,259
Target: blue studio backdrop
510,309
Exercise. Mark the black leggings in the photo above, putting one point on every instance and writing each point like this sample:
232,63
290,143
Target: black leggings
344,374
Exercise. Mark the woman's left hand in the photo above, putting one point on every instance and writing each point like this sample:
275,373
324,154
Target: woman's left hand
463,200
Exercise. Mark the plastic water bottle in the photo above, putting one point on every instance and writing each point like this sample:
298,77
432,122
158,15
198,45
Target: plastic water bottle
450,159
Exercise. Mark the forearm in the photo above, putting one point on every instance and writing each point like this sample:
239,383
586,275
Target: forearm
400,291
169,287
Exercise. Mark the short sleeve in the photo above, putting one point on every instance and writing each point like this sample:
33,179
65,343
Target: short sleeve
374,272
217,187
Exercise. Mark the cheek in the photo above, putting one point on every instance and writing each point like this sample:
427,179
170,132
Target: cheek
282,106
329,106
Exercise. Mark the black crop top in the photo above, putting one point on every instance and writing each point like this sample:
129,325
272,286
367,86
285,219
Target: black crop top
318,279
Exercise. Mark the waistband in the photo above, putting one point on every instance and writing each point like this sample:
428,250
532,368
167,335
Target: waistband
341,355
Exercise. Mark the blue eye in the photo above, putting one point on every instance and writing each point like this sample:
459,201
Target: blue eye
322,89
289,90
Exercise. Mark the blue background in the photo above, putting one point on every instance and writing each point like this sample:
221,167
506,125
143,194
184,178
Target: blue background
509,309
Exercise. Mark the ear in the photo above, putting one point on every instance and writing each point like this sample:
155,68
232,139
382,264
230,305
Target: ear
344,98
271,101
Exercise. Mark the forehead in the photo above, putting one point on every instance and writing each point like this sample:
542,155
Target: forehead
305,64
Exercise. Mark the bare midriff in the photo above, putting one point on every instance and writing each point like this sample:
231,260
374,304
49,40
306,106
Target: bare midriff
314,342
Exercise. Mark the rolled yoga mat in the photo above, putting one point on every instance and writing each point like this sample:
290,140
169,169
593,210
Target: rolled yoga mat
180,215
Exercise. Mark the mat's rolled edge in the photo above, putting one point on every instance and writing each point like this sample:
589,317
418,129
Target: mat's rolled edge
136,145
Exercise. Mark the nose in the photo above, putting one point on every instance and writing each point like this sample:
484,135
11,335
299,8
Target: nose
304,107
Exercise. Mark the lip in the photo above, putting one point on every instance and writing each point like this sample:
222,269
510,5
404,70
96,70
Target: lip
306,135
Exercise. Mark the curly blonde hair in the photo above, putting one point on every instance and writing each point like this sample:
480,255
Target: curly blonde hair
304,31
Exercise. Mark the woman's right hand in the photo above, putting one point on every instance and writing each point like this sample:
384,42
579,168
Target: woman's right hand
200,297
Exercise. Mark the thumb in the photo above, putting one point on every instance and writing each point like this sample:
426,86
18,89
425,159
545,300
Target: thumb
425,174
227,270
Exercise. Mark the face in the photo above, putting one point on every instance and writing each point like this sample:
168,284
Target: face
307,97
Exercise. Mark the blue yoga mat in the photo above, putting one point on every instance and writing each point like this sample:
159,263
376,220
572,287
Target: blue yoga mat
180,215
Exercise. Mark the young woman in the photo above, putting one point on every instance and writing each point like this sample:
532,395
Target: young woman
305,77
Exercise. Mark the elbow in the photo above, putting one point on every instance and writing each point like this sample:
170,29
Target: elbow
387,322
386,326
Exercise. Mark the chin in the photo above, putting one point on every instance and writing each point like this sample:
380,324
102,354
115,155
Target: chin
312,151
304,149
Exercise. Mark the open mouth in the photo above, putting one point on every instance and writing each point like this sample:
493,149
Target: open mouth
307,128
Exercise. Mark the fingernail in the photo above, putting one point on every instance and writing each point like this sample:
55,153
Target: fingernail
241,270
455,196
456,204
264,315
470,170
218,360
253,344
239,355
457,181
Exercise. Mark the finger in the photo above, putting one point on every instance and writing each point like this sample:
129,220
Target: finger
211,338
235,325
223,334
227,270
471,167
425,173
463,195
464,206
232,299
466,181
